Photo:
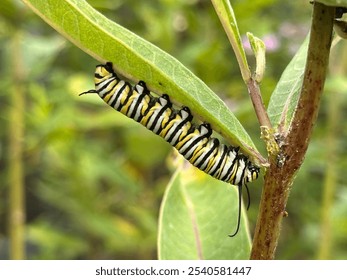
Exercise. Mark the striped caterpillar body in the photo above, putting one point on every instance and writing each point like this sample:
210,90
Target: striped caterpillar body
194,142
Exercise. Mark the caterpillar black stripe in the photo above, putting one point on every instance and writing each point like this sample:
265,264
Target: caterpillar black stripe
194,142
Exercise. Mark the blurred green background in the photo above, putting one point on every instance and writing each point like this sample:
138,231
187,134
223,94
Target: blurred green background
93,180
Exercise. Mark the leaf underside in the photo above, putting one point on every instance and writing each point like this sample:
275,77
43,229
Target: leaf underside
136,59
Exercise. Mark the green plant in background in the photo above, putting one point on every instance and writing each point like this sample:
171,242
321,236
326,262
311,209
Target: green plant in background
197,211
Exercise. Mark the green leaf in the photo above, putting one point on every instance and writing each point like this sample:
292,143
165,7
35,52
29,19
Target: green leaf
197,214
336,3
137,59
285,97
258,47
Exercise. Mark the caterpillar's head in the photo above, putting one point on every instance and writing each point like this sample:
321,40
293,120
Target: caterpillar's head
103,72
251,172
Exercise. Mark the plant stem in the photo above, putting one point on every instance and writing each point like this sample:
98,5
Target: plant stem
226,16
279,177
330,179
333,130
16,131
258,104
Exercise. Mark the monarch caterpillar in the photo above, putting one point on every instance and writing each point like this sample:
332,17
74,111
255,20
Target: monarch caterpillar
194,142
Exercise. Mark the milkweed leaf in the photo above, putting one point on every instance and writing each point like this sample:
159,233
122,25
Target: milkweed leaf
136,59
285,97
197,214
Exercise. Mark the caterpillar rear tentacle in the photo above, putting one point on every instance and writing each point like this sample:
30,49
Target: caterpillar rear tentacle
193,141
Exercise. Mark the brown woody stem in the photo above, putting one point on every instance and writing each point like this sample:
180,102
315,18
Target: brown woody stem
279,177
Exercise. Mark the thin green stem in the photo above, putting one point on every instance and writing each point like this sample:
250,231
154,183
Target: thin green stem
329,180
227,18
332,154
15,165
258,104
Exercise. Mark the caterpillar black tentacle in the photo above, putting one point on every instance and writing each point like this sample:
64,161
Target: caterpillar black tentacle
194,142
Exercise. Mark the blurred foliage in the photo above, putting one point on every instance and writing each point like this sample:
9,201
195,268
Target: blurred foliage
94,180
